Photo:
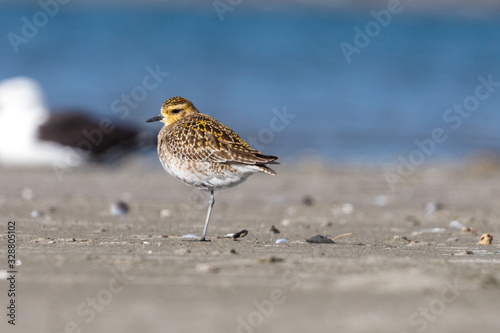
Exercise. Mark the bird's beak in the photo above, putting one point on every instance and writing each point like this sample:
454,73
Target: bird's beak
157,118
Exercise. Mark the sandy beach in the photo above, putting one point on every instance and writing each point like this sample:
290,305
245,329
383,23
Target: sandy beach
82,269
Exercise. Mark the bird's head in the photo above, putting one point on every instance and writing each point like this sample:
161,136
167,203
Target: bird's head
174,109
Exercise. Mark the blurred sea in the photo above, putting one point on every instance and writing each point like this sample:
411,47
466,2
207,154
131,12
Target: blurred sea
254,64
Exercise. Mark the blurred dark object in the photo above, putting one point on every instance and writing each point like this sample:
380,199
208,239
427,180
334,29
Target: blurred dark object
274,230
320,239
100,139
307,200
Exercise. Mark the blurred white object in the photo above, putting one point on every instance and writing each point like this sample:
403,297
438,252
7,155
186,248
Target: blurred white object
189,236
281,241
456,225
119,208
381,200
22,111
431,208
347,208
433,231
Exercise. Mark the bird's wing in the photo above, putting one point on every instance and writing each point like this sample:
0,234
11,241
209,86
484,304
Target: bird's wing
202,138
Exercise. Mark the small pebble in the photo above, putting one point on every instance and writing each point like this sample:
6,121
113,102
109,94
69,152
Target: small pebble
486,239
236,235
274,230
463,253
398,238
307,200
165,213
456,225
319,239
270,260
285,222
433,231
281,241
35,214
182,251
240,234
468,230
432,207
119,208
418,243
27,194
207,268
347,208
413,221
189,236
381,201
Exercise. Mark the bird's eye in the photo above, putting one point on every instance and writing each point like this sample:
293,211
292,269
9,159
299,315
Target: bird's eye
174,111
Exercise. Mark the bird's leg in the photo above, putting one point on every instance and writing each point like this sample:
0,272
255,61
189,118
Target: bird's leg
210,205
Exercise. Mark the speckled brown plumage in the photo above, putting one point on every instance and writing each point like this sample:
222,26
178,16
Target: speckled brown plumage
202,138
194,147
202,152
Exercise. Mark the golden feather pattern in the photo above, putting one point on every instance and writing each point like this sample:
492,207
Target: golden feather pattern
201,138
203,153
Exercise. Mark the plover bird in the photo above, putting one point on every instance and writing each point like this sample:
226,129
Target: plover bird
32,136
203,153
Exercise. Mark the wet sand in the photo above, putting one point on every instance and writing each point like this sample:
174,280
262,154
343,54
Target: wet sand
84,270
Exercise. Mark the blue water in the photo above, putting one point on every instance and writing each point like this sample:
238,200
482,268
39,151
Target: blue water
394,91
